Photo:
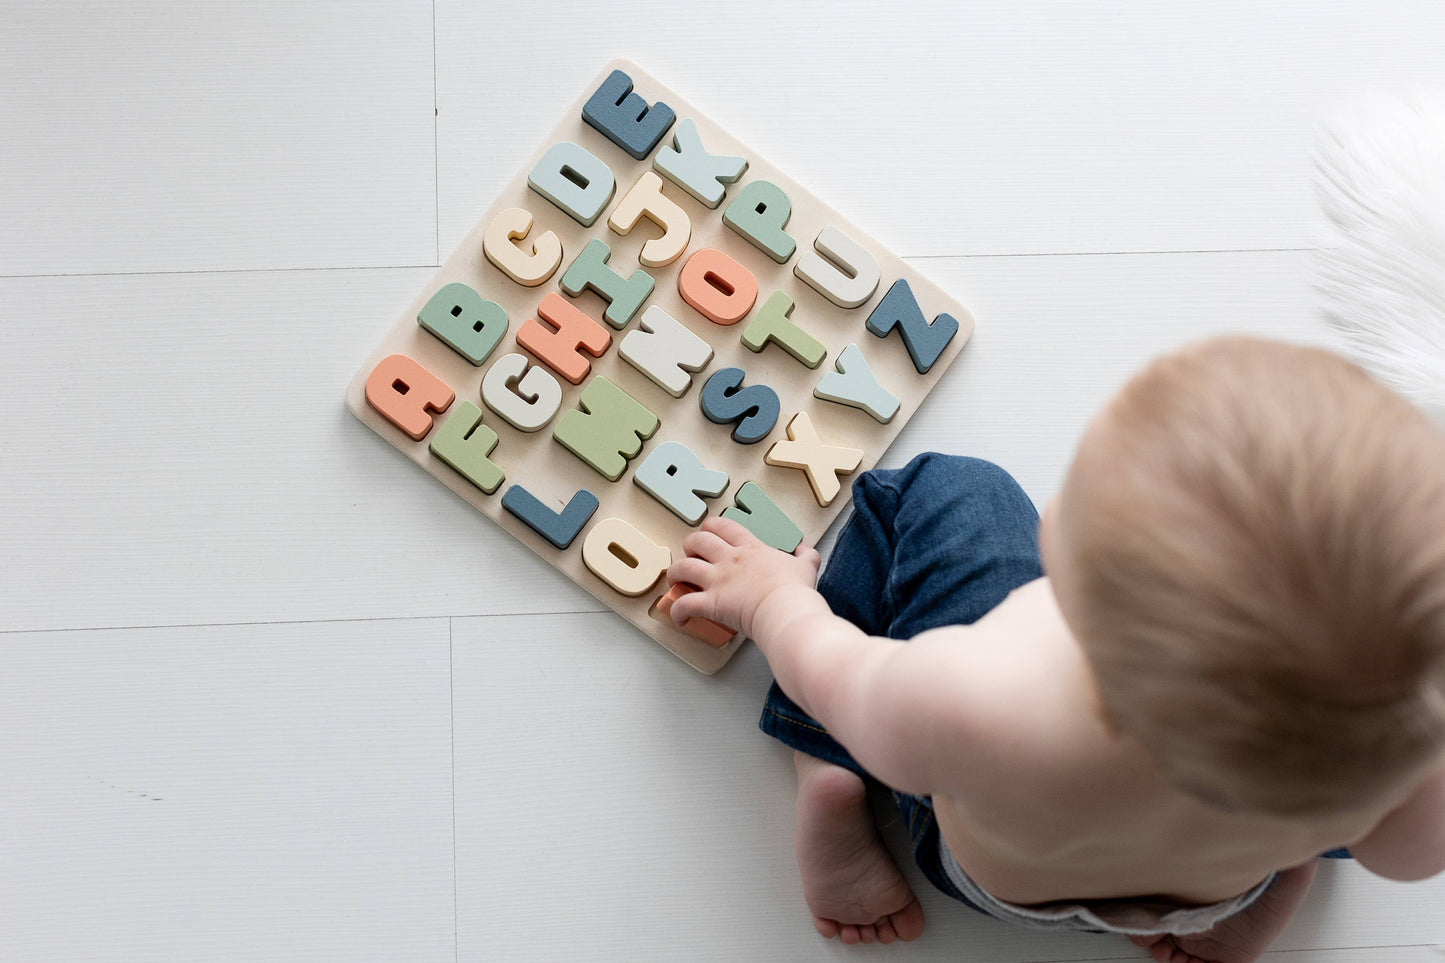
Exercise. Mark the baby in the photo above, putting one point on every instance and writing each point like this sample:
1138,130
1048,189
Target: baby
1219,655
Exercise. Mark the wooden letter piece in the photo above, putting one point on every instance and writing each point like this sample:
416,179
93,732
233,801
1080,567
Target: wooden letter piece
469,325
925,340
688,165
675,476
717,287
464,443
402,392
847,277
759,213
571,333
575,180
704,630
623,295
665,350
558,528
529,270
761,515
625,118
772,323
854,385
646,199
608,430
624,558
755,408
821,463
525,396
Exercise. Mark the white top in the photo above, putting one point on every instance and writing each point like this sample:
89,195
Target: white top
1129,917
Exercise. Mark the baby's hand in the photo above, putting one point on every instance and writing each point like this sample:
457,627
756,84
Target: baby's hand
734,571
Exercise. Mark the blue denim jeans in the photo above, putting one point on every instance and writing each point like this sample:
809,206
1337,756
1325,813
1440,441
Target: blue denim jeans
938,542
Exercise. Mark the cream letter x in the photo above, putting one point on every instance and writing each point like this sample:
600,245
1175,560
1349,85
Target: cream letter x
821,463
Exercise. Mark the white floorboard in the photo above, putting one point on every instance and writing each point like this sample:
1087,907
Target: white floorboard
176,136
962,128
238,793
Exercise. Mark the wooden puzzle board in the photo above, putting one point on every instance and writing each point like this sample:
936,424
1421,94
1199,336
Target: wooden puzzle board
537,461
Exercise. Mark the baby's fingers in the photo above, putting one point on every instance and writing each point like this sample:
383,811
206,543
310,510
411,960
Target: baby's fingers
693,571
690,605
730,531
706,545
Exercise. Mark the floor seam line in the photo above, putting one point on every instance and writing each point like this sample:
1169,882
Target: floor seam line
409,267
435,139
1220,250
452,718
222,625
200,271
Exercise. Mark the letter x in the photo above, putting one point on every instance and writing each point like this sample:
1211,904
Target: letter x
821,463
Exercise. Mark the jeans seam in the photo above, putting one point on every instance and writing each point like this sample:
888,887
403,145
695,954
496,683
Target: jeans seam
922,821
791,721
896,493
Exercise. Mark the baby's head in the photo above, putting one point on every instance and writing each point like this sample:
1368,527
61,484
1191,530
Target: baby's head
1250,548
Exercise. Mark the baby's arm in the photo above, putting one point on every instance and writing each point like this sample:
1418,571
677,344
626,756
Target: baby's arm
1409,843
867,691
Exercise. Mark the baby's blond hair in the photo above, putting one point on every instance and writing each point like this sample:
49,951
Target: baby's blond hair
1256,536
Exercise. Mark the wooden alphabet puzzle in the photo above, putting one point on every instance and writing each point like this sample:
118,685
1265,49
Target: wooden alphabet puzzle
651,325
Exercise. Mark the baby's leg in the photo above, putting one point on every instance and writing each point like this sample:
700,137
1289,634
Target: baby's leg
853,887
1243,937
940,541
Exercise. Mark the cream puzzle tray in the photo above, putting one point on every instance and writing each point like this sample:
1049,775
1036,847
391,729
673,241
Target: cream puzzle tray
650,325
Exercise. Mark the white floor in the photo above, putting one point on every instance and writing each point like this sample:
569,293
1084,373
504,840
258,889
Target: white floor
267,692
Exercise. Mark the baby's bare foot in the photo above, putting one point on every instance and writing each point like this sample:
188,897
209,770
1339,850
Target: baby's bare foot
1241,938
853,888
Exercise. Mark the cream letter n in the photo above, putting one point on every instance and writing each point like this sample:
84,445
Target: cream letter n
665,350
